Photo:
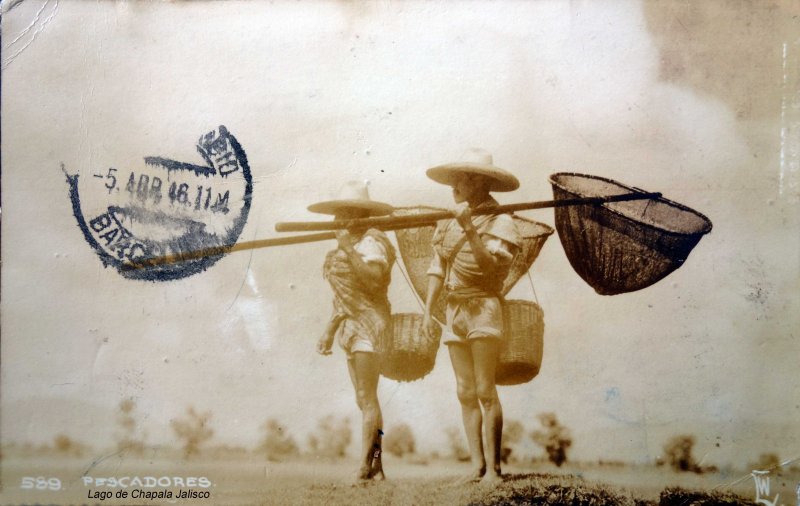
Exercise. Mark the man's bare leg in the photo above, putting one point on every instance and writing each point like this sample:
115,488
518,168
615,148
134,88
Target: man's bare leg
484,355
461,358
364,372
377,453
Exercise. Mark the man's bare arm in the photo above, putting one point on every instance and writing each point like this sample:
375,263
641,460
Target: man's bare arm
370,273
435,284
486,260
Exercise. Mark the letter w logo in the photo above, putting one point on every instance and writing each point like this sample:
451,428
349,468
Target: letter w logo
762,488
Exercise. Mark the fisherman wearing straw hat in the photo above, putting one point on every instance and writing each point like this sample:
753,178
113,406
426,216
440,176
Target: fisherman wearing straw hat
471,261
359,273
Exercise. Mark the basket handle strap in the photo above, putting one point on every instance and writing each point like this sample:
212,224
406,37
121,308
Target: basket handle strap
481,221
530,278
460,244
411,287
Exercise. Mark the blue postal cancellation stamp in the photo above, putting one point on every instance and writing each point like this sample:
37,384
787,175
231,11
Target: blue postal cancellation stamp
166,220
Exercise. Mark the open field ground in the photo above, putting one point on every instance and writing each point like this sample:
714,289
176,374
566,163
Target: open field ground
321,482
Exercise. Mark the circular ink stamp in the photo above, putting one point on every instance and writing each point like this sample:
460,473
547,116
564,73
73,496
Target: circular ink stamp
166,220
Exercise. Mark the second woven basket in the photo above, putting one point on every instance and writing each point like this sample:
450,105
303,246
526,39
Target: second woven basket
410,355
520,356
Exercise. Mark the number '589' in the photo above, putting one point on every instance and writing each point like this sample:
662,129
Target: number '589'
40,483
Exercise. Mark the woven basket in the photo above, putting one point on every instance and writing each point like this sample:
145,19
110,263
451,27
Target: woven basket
532,237
623,246
520,355
417,252
410,355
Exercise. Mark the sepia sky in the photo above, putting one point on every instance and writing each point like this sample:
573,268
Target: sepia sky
697,100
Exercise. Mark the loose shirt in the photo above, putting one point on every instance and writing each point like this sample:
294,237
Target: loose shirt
464,271
365,310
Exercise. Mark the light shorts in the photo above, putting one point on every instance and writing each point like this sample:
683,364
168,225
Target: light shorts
478,318
350,339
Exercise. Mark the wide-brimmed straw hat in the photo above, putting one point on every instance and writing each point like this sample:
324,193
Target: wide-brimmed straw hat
352,195
503,227
475,161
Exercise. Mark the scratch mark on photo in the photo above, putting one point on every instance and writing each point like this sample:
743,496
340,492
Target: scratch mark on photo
41,28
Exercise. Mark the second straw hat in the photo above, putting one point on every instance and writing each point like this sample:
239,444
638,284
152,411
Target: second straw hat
353,194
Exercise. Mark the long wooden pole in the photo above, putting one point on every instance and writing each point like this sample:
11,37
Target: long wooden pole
241,246
384,223
418,220
143,263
